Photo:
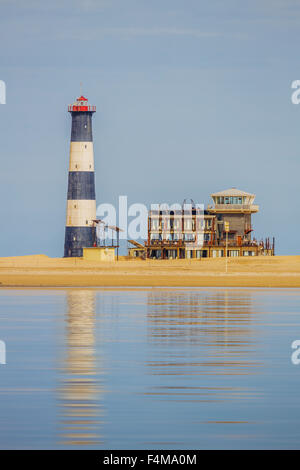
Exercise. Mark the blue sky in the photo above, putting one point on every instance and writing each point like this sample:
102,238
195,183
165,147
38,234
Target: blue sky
192,97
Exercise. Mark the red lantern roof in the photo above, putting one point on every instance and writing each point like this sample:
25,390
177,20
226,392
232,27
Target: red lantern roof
82,98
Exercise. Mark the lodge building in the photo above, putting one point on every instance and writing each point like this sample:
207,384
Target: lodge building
195,232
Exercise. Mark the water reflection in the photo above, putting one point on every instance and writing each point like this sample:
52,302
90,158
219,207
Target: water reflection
80,392
182,368
205,333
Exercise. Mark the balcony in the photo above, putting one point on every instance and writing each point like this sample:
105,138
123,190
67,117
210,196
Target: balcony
233,208
164,243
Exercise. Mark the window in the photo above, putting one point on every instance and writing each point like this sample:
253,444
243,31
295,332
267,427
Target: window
201,224
171,254
155,236
154,224
233,253
188,224
248,253
189,237
231,200
218,253
165,224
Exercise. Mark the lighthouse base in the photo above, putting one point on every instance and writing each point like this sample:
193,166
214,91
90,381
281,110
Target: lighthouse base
77,238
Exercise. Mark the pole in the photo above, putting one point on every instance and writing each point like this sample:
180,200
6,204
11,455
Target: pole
118,237
226,251
226,227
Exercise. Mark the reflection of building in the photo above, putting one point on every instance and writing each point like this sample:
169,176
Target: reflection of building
202,349
81,390
204,331
194,233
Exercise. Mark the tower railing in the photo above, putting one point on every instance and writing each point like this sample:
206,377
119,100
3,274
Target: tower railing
73,107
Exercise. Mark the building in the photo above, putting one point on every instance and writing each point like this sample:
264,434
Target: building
192,232
81,200
99,253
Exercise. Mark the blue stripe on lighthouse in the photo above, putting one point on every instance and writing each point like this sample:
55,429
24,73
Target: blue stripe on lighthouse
81,126
81,185
77,238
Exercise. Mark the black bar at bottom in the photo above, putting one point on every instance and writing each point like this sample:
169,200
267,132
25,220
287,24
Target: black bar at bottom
90,459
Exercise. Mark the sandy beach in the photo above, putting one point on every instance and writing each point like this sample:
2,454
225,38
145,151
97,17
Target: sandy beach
42,271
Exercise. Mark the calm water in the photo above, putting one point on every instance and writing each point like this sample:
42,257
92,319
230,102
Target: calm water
149,368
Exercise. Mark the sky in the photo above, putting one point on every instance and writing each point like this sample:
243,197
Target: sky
192,97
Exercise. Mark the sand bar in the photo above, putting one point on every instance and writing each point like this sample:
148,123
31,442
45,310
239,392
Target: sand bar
42,271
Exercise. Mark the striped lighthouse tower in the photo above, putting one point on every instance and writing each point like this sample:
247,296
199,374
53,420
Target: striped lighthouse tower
81,204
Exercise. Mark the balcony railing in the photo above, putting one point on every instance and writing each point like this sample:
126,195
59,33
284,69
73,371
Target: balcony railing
234,207
206,243
74,107
165,242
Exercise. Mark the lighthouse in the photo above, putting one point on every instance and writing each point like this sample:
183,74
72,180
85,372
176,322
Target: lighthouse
81,199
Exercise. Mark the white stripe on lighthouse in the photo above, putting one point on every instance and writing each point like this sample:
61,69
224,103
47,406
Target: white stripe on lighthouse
81,213
81,156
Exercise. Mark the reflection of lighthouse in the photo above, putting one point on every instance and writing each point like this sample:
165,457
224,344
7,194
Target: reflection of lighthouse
81,205
81,389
